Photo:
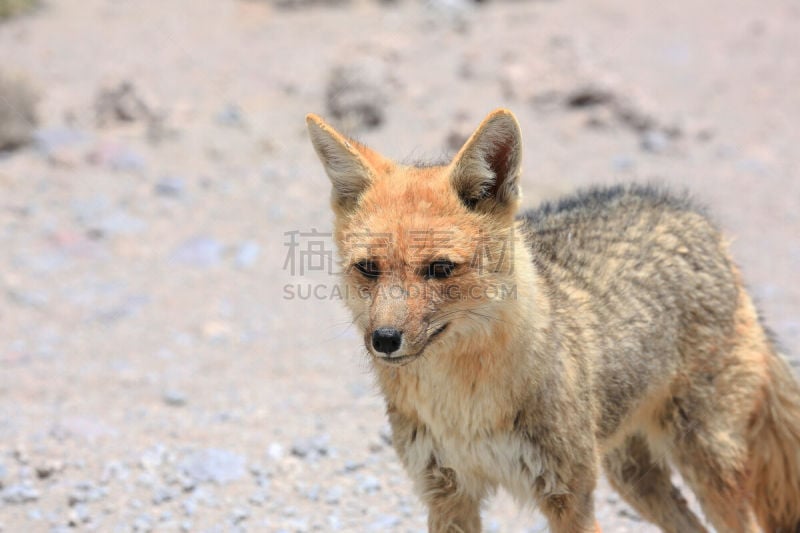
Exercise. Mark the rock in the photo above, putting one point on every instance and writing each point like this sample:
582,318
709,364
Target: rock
386,434
247,254
385,523
174,398
369,484
311,448
258,498
17,111
301,4
119,158
356,94
199,252
170,187
239,514
275,451
48,468
352,466
153,457
654,141
121,103
61,145
334,494
163,494
588,96
607,105
231,116
86,492
19,493
214,465
623,163
143,523
189,507
302,448
114,471
79,515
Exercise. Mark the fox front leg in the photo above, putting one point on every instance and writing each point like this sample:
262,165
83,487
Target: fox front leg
451,509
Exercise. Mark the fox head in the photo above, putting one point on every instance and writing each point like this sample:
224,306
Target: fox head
427,252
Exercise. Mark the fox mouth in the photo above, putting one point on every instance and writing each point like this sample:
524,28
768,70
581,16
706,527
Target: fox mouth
405,359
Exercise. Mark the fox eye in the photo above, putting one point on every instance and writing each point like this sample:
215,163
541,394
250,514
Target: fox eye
439,269
368,268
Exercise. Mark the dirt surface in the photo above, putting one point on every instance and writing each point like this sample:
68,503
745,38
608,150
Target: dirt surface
161,366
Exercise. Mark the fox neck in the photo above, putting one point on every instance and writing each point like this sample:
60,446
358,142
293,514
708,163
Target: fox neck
472,381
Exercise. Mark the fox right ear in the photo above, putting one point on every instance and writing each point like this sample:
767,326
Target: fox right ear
485,172
348,169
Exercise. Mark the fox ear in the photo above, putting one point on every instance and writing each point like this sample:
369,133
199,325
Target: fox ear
346,163
485,172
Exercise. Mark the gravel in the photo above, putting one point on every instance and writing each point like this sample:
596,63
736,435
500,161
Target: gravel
155,374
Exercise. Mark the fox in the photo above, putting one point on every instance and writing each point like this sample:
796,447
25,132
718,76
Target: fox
531,350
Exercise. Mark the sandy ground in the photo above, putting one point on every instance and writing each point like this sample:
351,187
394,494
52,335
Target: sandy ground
159,369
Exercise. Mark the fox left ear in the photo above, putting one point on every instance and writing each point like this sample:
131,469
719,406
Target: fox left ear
350,166
485,172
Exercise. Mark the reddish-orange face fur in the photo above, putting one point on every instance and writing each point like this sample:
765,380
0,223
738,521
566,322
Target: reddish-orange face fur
436,264
407,220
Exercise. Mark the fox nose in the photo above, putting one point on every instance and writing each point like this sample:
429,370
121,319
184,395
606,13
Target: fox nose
386,340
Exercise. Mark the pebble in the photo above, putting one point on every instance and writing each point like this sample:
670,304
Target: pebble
78,515
143,523
369,484
239,514
199,252
214,465
352,466
121,103
385,523
623,163
189,506
19,493
85,492
163,494
334,495
231,116
275,451
62,145
654,141
311,448
153,457
247,254
114,471
258,498
48,468
386,434
175,398
356,94
170,187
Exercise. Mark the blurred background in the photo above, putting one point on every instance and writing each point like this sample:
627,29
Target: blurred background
172,354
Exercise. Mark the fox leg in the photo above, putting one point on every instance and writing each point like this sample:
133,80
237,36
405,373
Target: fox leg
450,510
710,451
570,513
645,484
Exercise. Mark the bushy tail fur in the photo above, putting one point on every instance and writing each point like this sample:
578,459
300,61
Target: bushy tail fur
775,451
